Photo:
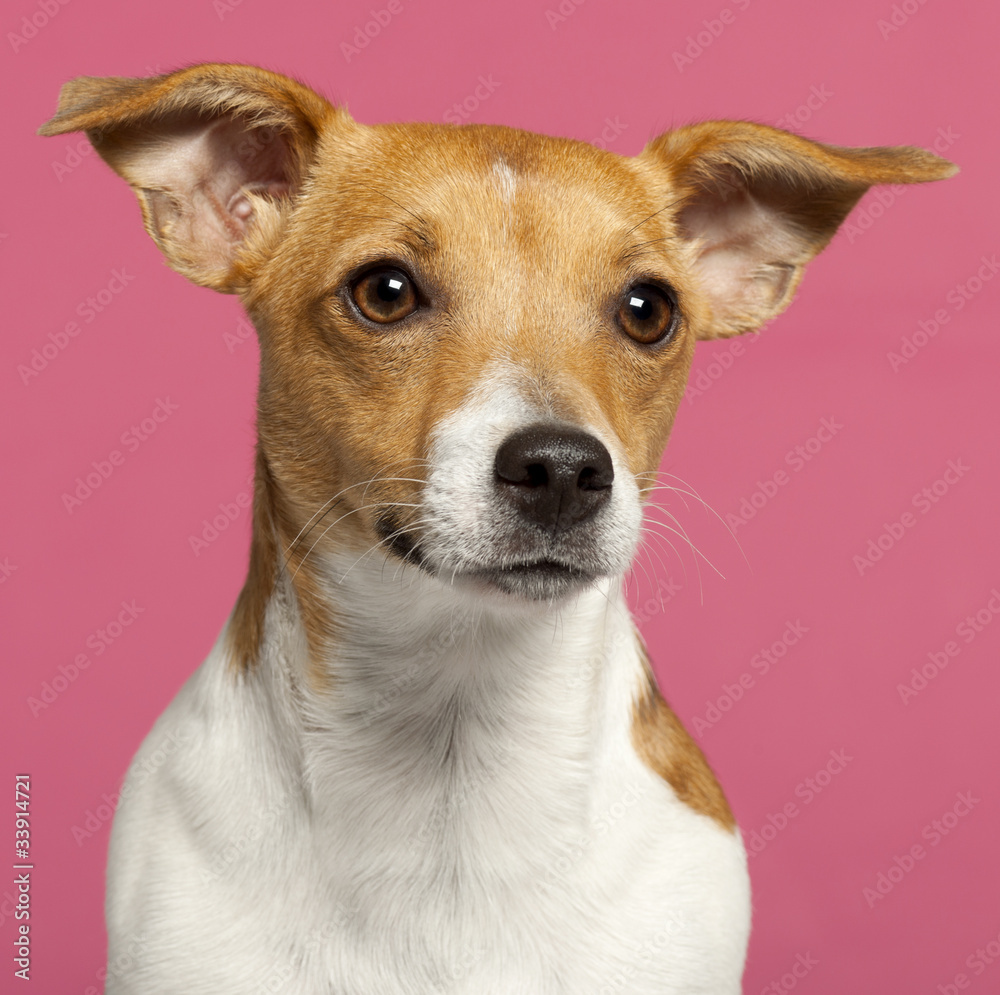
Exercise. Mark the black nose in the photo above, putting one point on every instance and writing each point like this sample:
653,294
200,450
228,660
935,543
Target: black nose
555,476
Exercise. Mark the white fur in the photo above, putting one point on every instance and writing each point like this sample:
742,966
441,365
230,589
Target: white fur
454,806
506,180
468,524
333,842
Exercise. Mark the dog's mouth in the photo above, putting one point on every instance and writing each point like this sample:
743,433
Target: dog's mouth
538,580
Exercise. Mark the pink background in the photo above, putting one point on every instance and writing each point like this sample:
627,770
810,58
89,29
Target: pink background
65,231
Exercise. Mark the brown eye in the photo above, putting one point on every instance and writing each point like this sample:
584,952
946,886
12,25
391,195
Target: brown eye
646,314
385,295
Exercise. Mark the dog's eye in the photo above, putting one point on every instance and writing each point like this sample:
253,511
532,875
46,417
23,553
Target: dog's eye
385,295
646,314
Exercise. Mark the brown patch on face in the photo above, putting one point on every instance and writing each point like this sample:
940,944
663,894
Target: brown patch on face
481,219
522,248
270,545
246,633
667,748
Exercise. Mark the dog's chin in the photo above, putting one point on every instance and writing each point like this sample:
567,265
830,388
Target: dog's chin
539,581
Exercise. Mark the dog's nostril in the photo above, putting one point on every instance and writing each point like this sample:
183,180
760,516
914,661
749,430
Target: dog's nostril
591,479
537,475
555,476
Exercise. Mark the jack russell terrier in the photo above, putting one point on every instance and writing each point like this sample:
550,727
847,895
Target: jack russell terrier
427,753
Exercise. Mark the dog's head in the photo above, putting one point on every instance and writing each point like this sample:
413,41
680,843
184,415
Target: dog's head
473,339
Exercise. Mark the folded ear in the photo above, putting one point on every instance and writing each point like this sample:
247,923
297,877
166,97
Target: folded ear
756,204
207,151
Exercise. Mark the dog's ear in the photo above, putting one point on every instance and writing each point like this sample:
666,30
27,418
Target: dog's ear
209,151
755,204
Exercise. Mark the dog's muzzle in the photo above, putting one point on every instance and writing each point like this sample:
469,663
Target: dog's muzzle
554,478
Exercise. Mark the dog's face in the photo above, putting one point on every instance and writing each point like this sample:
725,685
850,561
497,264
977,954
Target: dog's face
483,335
473,339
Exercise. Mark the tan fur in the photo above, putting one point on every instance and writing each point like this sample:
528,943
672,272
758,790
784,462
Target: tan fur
125,119
336,415
667,748
814,186
364,421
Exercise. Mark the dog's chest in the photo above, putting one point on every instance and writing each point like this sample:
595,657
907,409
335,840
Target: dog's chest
589,920
463,829
486,890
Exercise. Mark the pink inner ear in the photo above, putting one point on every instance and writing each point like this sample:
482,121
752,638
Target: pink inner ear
196,175
747,252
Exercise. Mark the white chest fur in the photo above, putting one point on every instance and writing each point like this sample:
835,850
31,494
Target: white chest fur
456,807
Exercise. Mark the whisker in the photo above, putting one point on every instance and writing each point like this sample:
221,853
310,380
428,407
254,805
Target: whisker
653,241
318,516
416,217
653,215
326,505
692,493
353,511
400,531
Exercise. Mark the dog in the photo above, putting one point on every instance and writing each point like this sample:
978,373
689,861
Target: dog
427,753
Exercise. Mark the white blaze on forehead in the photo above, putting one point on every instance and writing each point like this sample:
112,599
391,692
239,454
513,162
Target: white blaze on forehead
506,180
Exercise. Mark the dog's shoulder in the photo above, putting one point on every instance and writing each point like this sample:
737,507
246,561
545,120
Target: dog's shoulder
667,748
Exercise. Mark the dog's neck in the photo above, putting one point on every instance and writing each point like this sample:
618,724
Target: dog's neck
408,646
436,714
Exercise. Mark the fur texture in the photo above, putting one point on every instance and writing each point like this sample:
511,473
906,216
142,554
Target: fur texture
427,753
